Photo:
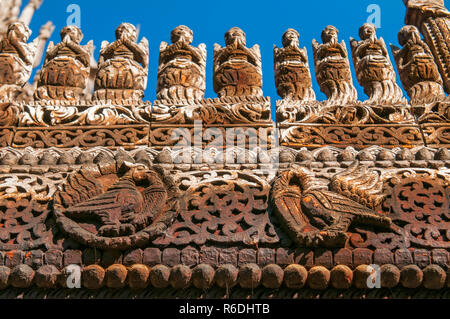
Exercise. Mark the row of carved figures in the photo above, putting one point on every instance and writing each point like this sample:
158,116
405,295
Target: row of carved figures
123,67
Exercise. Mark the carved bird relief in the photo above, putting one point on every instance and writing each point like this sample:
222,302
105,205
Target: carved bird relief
317,217
115,210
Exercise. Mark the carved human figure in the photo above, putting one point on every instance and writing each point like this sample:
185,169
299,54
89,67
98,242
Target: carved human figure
418,71
16,59
292,74
66,67
333,68
374,69
433,21
111,207
122,67
182,67
237,69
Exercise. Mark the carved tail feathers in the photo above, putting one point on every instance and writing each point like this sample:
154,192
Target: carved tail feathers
365,187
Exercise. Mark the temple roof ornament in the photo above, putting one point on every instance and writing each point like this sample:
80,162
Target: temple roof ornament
16,59
333,68
66,67
374,69
122,67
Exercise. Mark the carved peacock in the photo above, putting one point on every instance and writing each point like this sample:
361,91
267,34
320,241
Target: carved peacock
317,217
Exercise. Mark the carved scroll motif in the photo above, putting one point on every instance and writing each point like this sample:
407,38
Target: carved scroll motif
182,68
292,74
66,68
374,69
122,67
418,201
237,69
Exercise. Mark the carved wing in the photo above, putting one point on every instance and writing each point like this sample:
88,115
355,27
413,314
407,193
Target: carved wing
122,197
304,53
163,46
327,207
334,202
359,184
50,47
385,49
354,46
203,54
33,49
217,51
396,52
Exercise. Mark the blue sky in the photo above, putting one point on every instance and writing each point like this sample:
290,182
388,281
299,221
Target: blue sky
263,21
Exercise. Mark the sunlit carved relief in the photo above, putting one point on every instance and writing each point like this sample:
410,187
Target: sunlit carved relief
333,68
433,21
9,13
122,67
237,69
66,67
374,69
292,74
112,207
182,67
418,71
16,59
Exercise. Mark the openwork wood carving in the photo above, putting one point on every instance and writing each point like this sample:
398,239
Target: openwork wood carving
222,207
116,208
